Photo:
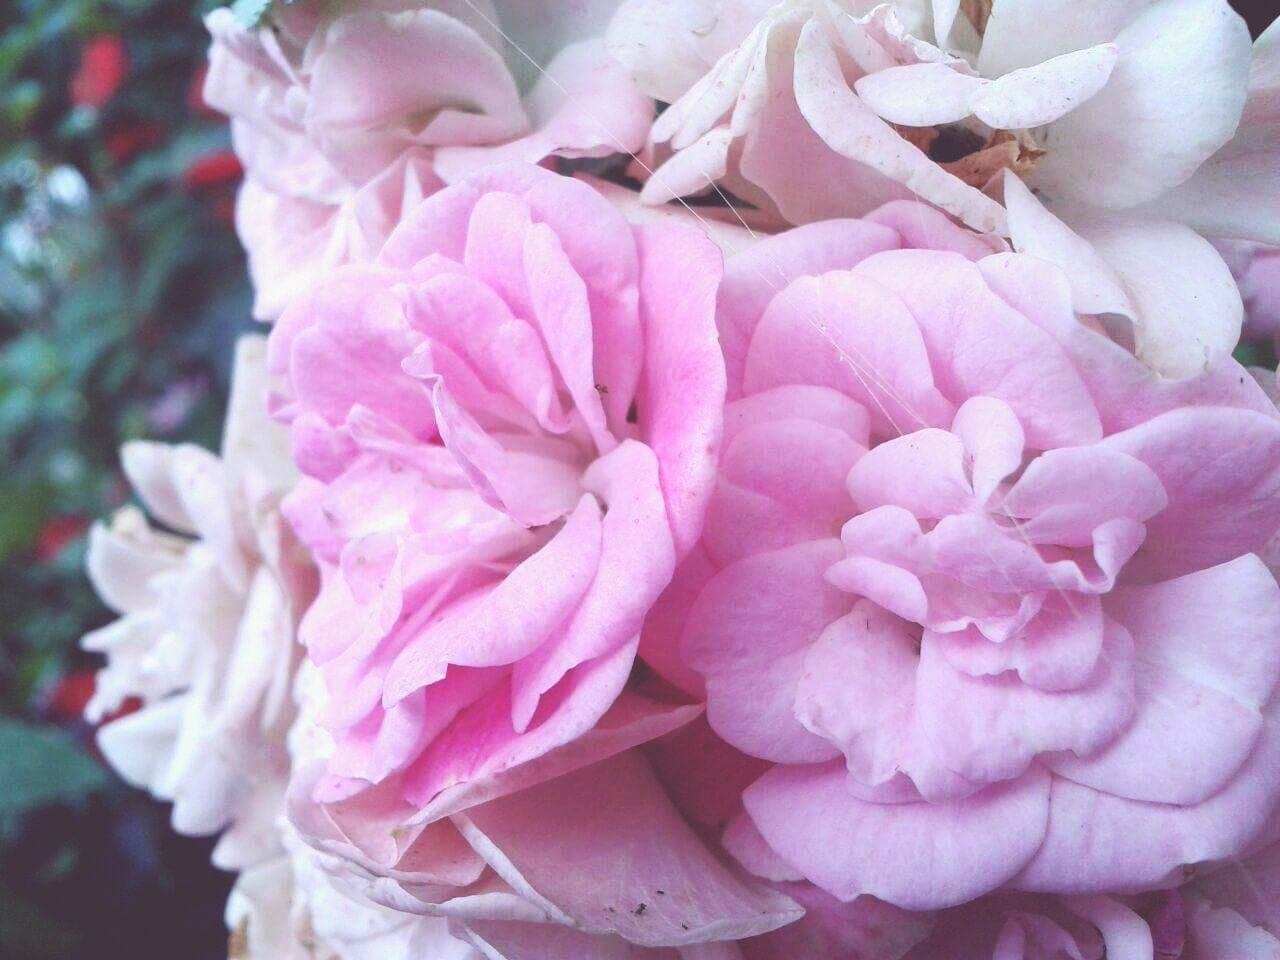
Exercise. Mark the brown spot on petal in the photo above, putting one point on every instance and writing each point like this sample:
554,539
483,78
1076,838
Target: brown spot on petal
238,942
978,12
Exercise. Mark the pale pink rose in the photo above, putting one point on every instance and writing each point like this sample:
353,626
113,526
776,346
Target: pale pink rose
1092,102
206,634
1141,126
345,115
508,426
977,584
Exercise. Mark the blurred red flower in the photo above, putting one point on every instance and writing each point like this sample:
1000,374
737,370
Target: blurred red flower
69,695
103,65
55,534
129,138
212,170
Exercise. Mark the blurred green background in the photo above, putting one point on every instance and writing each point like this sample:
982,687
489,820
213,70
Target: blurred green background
122,289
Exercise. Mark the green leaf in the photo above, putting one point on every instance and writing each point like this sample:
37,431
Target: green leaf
42,766
250,12
26,931
23,508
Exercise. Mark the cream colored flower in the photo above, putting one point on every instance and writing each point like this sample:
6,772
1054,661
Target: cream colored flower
209,594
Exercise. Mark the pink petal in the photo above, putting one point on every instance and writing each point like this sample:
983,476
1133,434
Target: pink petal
991,728
660,635
858,691
993,440
1126,391
563,315
748,634
840,331
1221,471
1197,719
1066,494
517,940
637,559
922,472
918,856
703,775
681,393
1132,844
863,929
782,482
1058,654
980,346
754,277
482,754
512,620
639,871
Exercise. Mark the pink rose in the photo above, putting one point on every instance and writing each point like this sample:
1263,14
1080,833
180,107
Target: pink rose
508,426
977,584
345,115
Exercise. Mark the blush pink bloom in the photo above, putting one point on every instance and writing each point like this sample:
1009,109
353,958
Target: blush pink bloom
345,115
978,585
508,426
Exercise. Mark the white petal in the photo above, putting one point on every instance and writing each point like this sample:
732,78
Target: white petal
149,467
1234,194
659,42
251,440
1095,287
1037,95
1187,307
1182,318
140,746
849,128
1174,98
920,94
693,169
1023,33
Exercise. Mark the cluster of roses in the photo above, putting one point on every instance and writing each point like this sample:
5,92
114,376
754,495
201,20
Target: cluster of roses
870,558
